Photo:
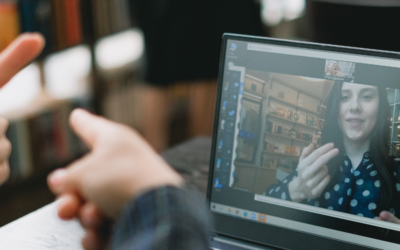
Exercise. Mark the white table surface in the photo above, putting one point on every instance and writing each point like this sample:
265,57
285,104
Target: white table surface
42,230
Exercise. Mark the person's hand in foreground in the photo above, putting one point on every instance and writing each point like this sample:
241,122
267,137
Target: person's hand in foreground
17,55
312,171
119,167
388,217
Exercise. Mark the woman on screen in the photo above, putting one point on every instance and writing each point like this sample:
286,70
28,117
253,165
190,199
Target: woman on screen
352,172
334,70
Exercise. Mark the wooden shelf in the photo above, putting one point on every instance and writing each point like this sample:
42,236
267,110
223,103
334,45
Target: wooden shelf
269,169
301,124
254,97
249,165
294,105
286,137
245,164
280,154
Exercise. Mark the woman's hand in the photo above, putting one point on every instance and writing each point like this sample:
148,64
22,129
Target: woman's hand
17,55
388,217
312,172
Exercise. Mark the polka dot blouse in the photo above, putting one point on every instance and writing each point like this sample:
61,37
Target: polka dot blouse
357,191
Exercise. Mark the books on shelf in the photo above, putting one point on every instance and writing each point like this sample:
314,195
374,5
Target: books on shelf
110,16
63,23
35,16
295,116
9,24
42,140
73,22
282,148
302,118
273,162
290,133
58,20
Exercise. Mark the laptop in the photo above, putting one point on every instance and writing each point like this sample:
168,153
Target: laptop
305,147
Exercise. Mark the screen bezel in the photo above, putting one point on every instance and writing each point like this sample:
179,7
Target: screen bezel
256,232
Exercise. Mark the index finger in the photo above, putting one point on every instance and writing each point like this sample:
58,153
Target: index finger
18,54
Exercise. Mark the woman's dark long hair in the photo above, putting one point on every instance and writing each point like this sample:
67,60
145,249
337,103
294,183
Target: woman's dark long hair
379,145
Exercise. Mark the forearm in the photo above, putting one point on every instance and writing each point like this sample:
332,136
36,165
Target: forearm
165,218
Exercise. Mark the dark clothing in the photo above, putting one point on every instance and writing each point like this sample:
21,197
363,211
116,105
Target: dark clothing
382,3
163,219
363,25
356,192
183,37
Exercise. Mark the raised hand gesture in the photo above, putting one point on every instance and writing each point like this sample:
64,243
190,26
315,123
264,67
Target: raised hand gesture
312,171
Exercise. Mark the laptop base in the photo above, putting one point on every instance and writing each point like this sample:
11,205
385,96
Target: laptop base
225,243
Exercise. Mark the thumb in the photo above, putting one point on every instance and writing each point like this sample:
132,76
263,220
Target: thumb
89,127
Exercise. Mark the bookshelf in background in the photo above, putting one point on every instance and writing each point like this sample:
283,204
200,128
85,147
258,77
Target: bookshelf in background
394,104
73,29
64,23
38,124
42,138
291,123
118,66
279,121
110,16
9,23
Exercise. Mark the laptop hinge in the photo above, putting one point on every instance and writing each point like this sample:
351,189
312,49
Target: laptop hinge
237,243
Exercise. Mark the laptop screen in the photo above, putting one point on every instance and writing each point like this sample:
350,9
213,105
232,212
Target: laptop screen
308,140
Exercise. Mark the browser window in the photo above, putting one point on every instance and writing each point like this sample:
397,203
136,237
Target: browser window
310,140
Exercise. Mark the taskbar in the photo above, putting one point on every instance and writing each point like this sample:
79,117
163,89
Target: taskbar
302,227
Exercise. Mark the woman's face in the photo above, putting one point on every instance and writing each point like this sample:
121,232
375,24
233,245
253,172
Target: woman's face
358,111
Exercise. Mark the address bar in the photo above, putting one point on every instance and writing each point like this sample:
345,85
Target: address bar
323,55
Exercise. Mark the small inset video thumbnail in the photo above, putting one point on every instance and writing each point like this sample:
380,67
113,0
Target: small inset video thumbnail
339,71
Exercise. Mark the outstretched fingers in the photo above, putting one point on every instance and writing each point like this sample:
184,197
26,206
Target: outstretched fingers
18,54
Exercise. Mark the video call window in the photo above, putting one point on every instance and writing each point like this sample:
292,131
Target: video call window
330,143
339,70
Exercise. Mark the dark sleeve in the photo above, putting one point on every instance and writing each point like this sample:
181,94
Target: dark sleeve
163,219
281,190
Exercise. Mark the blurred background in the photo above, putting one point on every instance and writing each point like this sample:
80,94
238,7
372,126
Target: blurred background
150,64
